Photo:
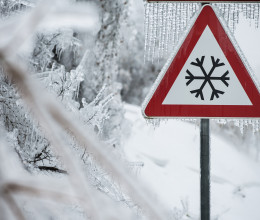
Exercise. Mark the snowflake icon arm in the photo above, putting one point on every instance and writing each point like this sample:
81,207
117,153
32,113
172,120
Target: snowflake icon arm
191,77
215,92
215,64
199,63
199,92
223,78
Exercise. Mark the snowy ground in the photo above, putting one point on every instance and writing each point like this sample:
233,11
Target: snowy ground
171,169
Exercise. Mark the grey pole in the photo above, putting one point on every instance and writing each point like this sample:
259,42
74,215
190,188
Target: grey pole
205,170
204,166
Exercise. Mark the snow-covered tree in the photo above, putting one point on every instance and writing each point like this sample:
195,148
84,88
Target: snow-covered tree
81,70
84,78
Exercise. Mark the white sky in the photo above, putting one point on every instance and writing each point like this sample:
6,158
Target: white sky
248,38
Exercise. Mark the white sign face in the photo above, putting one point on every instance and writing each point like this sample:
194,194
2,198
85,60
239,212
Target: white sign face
207,78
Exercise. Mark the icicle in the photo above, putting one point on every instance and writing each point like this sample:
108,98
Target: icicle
241,126
232,17
245,123
154,122
228,15
181,18
194,8
146,31
169,27
190,10
237,9
257,8
150,30
225,12
155,29
180,21
165,20
164,23
252,12
174,24
231,13
160,26
186,15
183,10
221,121
177,31
253,123
251,15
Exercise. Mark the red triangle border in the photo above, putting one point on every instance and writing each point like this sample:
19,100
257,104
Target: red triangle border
153,107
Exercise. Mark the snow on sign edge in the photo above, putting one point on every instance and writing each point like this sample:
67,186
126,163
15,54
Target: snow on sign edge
175,51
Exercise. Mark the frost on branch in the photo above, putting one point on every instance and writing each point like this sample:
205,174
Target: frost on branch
81,70
29,142
207,78
11,7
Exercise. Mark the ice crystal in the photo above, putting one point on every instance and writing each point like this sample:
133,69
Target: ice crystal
164,23
233,11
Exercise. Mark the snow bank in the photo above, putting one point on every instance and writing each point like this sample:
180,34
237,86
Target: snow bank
171,168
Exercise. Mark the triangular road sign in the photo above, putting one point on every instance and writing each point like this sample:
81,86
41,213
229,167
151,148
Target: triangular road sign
206,78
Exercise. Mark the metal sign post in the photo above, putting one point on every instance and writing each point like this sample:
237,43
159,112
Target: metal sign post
204,169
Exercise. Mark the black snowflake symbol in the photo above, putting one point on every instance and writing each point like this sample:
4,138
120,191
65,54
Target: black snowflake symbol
207,78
